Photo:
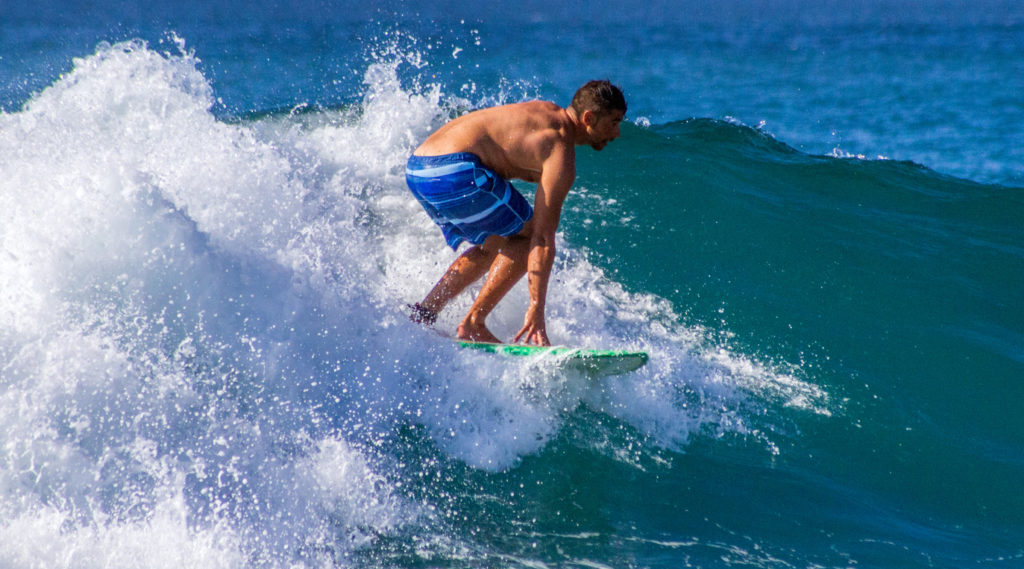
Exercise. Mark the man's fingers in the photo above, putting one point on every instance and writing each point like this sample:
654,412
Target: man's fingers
526,334
532,336
538,338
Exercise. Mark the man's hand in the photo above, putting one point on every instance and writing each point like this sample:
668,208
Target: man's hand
533,330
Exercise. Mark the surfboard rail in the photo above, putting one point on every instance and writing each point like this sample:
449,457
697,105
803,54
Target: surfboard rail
600,362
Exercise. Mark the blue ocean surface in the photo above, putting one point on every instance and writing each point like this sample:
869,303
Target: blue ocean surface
813,222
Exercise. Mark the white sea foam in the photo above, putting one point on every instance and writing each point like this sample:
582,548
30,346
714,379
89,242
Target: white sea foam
202,336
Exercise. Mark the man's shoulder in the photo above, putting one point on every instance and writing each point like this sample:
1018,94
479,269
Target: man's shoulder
545,120
537,121
531,109
546,110
543,106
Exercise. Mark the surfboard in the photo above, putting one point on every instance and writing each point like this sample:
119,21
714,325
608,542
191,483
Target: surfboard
595,362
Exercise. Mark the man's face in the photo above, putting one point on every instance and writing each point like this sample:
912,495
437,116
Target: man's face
605,129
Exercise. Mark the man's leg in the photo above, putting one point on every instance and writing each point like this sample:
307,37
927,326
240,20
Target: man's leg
508,267
470,266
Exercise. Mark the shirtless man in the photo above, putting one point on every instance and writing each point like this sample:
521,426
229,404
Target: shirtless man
460,175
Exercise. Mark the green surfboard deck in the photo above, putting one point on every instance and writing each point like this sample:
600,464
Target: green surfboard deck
598,362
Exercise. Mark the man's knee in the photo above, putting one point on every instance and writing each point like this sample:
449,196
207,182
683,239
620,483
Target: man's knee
527,230
493,244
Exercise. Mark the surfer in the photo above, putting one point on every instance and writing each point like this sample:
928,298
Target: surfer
460,175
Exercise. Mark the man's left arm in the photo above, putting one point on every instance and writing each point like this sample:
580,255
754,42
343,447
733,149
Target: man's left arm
557,175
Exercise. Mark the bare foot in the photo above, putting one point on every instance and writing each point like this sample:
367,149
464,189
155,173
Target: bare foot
421,315
475,333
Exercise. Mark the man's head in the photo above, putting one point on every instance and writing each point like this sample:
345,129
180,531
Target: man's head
599,97
600,107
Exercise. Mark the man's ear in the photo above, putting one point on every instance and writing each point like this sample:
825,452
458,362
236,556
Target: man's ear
588,118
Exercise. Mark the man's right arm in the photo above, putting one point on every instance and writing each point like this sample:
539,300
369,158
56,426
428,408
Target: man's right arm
557,175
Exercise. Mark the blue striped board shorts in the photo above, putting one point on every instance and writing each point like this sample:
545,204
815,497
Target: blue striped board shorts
467,200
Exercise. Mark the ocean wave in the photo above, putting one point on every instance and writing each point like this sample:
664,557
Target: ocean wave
204,338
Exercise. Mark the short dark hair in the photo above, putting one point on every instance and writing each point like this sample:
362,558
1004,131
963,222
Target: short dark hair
599,97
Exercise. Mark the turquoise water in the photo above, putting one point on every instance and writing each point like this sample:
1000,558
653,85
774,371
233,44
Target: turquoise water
812,223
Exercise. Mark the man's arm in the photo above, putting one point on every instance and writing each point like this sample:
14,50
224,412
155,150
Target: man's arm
557,174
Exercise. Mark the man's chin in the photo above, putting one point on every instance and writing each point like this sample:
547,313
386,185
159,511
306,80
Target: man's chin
598,145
